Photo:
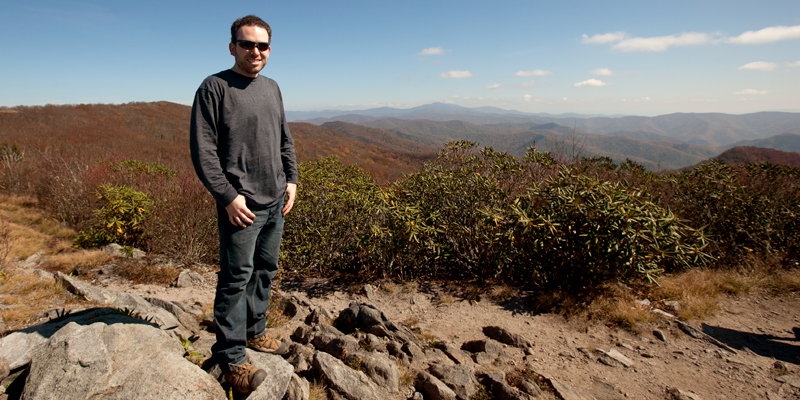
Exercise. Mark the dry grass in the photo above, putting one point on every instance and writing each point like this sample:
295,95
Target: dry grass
407,376
697,290
617,305
388,287
274,316
446,299
410,287
67,260
317,391
27,295
144,272
22,211
502,293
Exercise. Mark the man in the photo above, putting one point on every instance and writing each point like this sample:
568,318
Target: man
243,153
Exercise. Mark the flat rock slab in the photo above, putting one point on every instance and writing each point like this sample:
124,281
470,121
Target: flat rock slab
567,392
791,380
136,305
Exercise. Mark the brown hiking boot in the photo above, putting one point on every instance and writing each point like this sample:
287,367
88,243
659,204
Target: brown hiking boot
246,378
266,344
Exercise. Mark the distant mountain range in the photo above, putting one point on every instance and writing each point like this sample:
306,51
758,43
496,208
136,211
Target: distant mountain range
705,129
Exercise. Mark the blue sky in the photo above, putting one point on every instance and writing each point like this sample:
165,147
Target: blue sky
634,57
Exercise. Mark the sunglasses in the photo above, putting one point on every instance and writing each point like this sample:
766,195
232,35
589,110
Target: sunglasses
248,45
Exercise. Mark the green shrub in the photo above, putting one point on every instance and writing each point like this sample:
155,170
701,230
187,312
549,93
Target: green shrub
118,218
141,167
572,231
330,224
750,208
439,216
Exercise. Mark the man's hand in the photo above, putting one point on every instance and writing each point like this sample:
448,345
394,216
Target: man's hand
291,191
238,213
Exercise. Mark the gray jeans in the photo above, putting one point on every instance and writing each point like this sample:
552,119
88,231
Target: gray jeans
248,262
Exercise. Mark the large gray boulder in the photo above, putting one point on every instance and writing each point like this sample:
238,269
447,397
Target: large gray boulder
131,360
299,389
460,378
19,347
352,384
279,375
433,388
381,369
367,318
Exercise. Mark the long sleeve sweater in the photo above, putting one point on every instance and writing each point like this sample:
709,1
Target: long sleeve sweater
240,140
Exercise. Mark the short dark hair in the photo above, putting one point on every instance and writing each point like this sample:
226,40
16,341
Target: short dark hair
250,20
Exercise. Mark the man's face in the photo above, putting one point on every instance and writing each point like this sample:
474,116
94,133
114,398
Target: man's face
250,62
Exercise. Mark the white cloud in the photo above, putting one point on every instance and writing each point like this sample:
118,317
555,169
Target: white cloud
527,97
603,72
494,86
642,100
768,35
751,92
793,64
405,78
432,51
535,72
456,74
604,38
704,100
760,66
662,43
455,96
591,82
527,84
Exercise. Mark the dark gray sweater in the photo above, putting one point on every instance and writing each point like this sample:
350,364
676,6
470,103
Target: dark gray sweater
240,140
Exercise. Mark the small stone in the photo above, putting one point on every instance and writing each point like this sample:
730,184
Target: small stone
188,278
673,304
659,335
625,346
369,291
663,313
642,303
678,394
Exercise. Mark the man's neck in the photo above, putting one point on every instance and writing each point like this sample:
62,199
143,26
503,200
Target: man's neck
240,72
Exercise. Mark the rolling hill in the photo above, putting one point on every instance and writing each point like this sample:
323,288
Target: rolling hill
789,142
747,154
159,132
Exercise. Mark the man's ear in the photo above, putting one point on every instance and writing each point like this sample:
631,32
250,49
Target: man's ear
232,48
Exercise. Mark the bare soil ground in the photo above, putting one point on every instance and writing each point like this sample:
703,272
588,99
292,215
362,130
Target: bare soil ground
762,329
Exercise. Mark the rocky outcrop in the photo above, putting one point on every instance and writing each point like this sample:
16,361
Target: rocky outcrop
132,350
119,358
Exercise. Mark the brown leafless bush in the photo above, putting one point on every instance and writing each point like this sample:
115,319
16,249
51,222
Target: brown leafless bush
184,222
